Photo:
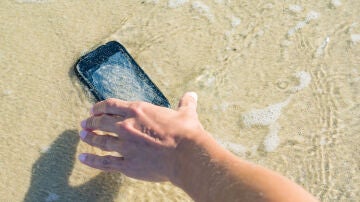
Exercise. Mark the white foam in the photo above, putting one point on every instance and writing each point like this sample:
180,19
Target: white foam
304,81
266,116
323,141
336,3
152,1
203,9
286,43
312,15
234,147
295,8
320,49
272,140
219,1
33,1
355,38
52,197
206,79
297,27
235,21
176,3
7,92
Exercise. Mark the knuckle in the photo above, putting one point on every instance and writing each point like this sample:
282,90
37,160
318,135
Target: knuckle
125,125
110,102
106,161
136,107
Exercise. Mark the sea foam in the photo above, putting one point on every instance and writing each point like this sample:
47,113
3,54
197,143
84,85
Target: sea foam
203,9
312,15
355,38
272,140
266,116
295,8
336,3
33,1
304,81
176,3
321,48
235,21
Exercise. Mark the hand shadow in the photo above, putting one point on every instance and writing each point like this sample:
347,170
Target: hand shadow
51,172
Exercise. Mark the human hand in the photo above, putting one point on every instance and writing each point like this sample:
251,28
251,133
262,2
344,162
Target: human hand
147,136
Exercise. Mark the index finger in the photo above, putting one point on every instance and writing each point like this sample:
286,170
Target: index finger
111,106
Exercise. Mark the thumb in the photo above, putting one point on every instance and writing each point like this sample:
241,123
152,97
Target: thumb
188,101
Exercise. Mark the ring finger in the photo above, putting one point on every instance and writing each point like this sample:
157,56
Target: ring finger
103,142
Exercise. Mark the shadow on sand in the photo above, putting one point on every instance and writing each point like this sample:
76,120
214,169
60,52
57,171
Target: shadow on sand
51,172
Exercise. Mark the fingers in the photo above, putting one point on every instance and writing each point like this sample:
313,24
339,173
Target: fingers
111,106
103,142
107,163
104,122
188,101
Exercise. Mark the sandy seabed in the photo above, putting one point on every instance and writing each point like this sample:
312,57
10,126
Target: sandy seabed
278,84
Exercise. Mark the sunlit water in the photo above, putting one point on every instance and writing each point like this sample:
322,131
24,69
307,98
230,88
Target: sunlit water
278,84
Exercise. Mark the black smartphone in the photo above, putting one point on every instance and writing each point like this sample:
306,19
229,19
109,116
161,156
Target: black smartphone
110,72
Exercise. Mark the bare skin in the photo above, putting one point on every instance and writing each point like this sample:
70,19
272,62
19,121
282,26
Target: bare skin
159,144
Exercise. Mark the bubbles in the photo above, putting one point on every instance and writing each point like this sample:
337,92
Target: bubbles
320,49
336,3
323,141
295,8
266,116
33,1
235,21
176,3
203,9
272,140
312,15
355,38
152,1
7,92
304,81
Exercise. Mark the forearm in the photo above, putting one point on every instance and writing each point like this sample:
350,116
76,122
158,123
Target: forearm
207,172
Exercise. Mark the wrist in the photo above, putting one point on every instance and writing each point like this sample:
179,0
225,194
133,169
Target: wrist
196,163
188,153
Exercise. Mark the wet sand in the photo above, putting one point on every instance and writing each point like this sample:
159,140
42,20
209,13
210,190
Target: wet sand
278,84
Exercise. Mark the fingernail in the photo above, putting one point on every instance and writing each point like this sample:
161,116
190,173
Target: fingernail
82,157
83,123
83,134
194,95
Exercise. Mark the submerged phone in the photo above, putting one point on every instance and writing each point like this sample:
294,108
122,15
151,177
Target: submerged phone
110,72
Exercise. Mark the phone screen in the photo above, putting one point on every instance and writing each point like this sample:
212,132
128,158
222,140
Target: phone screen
110,72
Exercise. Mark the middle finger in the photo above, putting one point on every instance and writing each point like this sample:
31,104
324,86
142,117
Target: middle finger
103,122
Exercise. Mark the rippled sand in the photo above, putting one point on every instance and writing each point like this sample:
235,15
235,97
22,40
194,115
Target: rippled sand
278,84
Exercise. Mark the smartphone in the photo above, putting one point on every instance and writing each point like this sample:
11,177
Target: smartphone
109,71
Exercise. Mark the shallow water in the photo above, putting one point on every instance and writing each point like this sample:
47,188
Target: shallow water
278,84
